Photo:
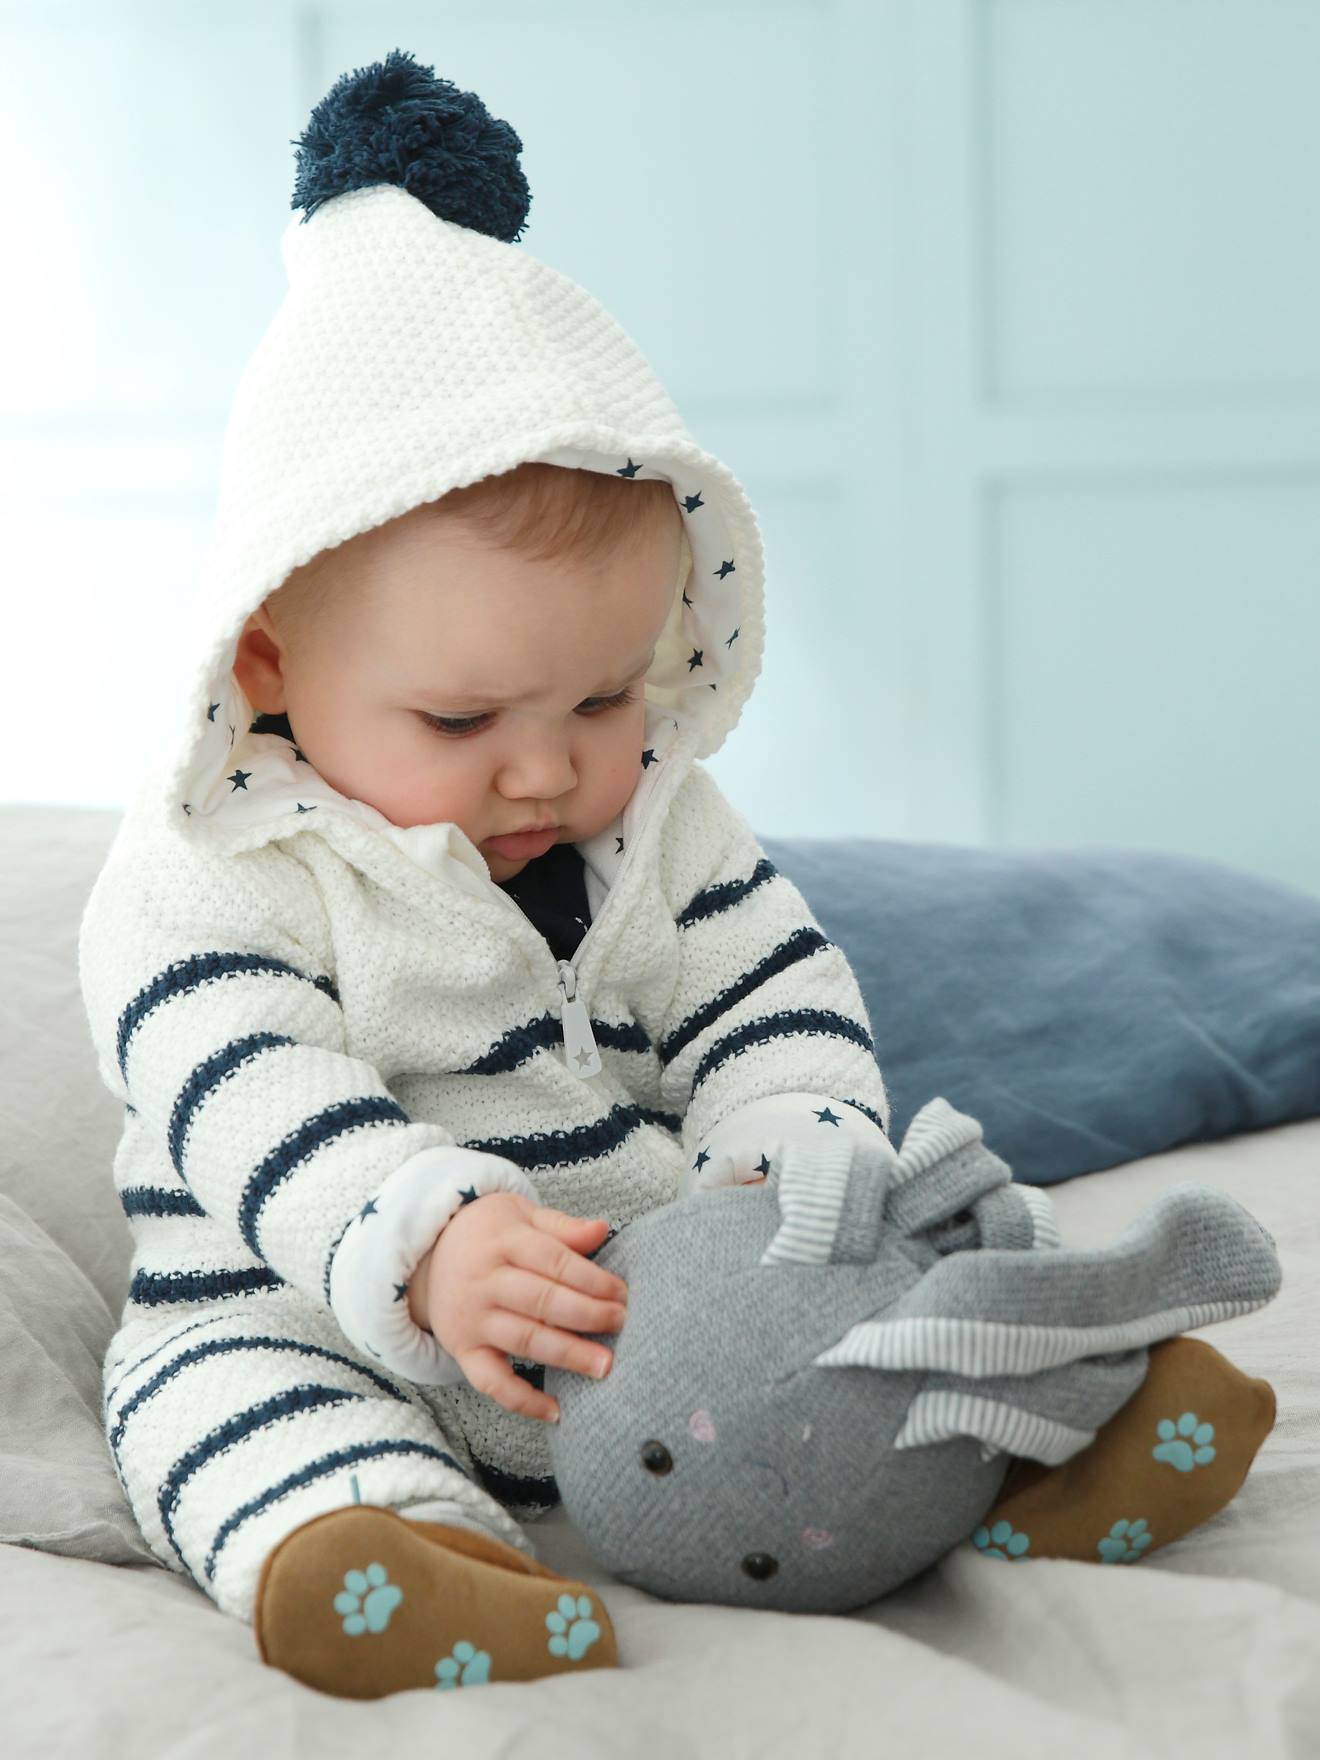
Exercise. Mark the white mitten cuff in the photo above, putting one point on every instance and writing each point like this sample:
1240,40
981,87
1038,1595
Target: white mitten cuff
386,1241
744,1145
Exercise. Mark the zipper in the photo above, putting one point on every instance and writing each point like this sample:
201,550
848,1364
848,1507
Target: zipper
580,1051
581,1054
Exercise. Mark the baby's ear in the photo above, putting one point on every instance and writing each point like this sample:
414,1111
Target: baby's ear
257,664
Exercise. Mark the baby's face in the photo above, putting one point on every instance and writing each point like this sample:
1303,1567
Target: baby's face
427,622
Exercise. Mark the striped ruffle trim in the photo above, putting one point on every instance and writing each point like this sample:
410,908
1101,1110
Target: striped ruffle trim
937,1131
937,1417
811,1190
996,1347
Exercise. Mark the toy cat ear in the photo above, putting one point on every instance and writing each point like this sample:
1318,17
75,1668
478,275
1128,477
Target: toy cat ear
943,1167
1193,1257
831,1200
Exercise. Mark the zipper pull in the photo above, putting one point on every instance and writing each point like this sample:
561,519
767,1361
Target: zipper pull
580,1052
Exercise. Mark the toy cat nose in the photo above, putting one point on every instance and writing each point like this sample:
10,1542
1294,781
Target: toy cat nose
760,1565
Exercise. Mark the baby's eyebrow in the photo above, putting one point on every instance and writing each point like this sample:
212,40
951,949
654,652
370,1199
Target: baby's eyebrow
469,699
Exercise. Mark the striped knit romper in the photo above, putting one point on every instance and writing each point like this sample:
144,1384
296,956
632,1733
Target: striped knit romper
270,1082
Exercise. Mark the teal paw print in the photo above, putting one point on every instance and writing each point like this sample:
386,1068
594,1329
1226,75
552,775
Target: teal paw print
1125,1542
1000,1541
1174,1447
367,1600
474,1664
581,1634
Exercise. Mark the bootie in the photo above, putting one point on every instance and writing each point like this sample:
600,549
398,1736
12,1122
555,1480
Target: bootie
1167,1461
360,1603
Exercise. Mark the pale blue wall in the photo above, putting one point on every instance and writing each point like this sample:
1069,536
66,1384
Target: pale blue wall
1003,311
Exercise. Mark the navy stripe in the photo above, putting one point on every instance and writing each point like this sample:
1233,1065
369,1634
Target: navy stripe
585,1142
667,1121
618,1035
813,1021
206,1078
307,1398
152,1289
184,975
320,1469
506,1488
801,944
516,1047
713,899
221,1347
155,1201
301,1144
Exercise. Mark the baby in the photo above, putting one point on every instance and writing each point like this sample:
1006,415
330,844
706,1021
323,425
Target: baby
430,954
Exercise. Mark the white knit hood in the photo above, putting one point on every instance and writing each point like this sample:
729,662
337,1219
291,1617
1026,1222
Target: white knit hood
413,355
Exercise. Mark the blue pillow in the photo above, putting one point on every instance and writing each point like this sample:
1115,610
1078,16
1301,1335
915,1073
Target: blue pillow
1087,1006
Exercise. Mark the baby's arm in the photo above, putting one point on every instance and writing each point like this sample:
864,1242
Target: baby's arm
766,1033
386,1250
215,1020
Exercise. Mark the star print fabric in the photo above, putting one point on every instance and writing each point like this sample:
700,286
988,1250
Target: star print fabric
749,1143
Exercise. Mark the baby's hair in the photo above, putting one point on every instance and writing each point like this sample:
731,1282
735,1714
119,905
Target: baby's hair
544,512
540,512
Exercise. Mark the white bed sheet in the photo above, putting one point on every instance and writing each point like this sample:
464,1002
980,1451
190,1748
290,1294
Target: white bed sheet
1209,1648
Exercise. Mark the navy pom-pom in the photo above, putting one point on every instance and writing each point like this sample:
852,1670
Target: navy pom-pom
395,122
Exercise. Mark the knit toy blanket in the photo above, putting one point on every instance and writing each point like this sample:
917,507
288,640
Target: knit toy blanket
822,1380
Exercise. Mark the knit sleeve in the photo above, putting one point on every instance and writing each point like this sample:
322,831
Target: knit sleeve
764,1004
216,1021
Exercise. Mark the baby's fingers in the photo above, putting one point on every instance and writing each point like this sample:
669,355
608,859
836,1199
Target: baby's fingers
553,1304
522,1336
543,1248
491,1373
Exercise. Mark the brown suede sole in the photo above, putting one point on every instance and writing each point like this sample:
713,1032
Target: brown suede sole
360,1603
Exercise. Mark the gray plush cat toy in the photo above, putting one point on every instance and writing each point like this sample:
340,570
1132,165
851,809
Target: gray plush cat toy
821,1379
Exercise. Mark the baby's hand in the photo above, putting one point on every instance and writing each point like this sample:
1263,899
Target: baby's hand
501,1279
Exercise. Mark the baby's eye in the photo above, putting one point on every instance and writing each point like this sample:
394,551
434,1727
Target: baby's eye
448,724
455,725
